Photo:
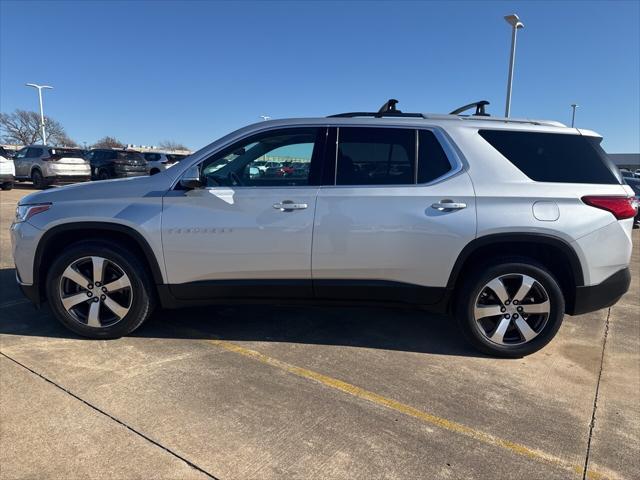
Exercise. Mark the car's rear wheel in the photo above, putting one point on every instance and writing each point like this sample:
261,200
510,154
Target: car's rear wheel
103,175
511,308
99,290
38,180
7,185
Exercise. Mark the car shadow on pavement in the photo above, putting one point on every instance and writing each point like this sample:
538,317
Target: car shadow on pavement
386,328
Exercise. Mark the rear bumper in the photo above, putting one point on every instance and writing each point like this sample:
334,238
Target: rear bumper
603,295
60,179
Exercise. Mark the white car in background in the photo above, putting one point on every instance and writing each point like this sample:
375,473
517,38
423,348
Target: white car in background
159,162
7,170
44,165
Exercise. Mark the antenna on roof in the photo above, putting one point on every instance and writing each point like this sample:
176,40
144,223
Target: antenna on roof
389,107
480,112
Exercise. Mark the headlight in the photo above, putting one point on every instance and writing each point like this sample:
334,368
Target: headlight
25,212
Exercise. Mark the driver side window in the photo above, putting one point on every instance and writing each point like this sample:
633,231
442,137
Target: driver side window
275,158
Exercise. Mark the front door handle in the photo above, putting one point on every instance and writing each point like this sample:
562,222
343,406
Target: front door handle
289,206
445,205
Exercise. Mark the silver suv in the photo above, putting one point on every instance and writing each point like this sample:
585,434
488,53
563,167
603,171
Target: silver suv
507,224
45,165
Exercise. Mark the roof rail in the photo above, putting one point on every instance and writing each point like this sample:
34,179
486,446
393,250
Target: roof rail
480,112
387,110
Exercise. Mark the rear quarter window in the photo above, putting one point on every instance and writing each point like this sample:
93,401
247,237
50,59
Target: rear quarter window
554,157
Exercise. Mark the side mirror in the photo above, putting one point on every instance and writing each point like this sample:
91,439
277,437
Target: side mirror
191,178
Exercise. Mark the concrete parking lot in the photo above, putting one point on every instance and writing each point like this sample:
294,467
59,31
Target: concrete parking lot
255,392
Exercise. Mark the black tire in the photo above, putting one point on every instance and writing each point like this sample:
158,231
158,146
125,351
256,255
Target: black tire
142,300
474,285
38,180
7,186
103,175
154,171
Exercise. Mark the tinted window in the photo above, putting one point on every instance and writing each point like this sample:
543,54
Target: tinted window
553,157
432,161
66,152
152,157
277,158
375,156
130,156
34,152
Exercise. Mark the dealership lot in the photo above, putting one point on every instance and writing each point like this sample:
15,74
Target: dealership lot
312,392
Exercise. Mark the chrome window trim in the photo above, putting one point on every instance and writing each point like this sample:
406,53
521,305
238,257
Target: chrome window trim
448,146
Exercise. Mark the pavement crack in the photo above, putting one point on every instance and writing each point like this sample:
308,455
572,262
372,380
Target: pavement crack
595,397
111,417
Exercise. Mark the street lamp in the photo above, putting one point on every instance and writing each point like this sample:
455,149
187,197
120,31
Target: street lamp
40,87
515,23
573,114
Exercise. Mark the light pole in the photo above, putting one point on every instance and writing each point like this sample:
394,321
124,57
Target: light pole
515,23
573,114
40,87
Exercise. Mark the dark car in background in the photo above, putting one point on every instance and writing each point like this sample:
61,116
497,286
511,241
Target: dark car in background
634,183
111,163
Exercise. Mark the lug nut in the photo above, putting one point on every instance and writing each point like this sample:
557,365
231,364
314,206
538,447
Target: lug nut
507,316
502,309
90,286
507,302
102,297
515,315
89,294
96,299
520,309
515,302
98,284
104,289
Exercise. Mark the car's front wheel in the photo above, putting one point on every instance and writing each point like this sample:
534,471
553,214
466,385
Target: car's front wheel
510,308
99,290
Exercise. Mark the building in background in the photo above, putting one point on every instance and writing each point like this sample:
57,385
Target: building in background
630,161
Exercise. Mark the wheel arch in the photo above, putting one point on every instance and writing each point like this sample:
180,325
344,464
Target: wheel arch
65,234
552,252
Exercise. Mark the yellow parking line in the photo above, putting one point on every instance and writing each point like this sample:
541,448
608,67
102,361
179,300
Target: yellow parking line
443,423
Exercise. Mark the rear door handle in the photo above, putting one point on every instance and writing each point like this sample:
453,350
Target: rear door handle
445,205
288,206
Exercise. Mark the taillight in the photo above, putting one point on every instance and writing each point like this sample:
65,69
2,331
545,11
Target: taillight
620,207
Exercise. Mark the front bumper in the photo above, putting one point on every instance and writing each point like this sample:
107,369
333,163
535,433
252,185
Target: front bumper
603,295
7,177
30,291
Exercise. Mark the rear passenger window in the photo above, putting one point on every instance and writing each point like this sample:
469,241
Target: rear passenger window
376,156
554,157
432,161
34,152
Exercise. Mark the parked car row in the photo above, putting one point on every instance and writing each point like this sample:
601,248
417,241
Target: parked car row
44,165
626,173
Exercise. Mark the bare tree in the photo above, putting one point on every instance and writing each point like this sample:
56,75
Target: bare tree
23,128
171,145
108,142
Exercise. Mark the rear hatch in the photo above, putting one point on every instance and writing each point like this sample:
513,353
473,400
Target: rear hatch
67,156
131,162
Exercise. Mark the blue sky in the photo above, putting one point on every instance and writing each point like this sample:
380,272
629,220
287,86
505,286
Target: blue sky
148,71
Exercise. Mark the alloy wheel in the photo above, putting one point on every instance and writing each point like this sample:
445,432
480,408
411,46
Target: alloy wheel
96,291
512,309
